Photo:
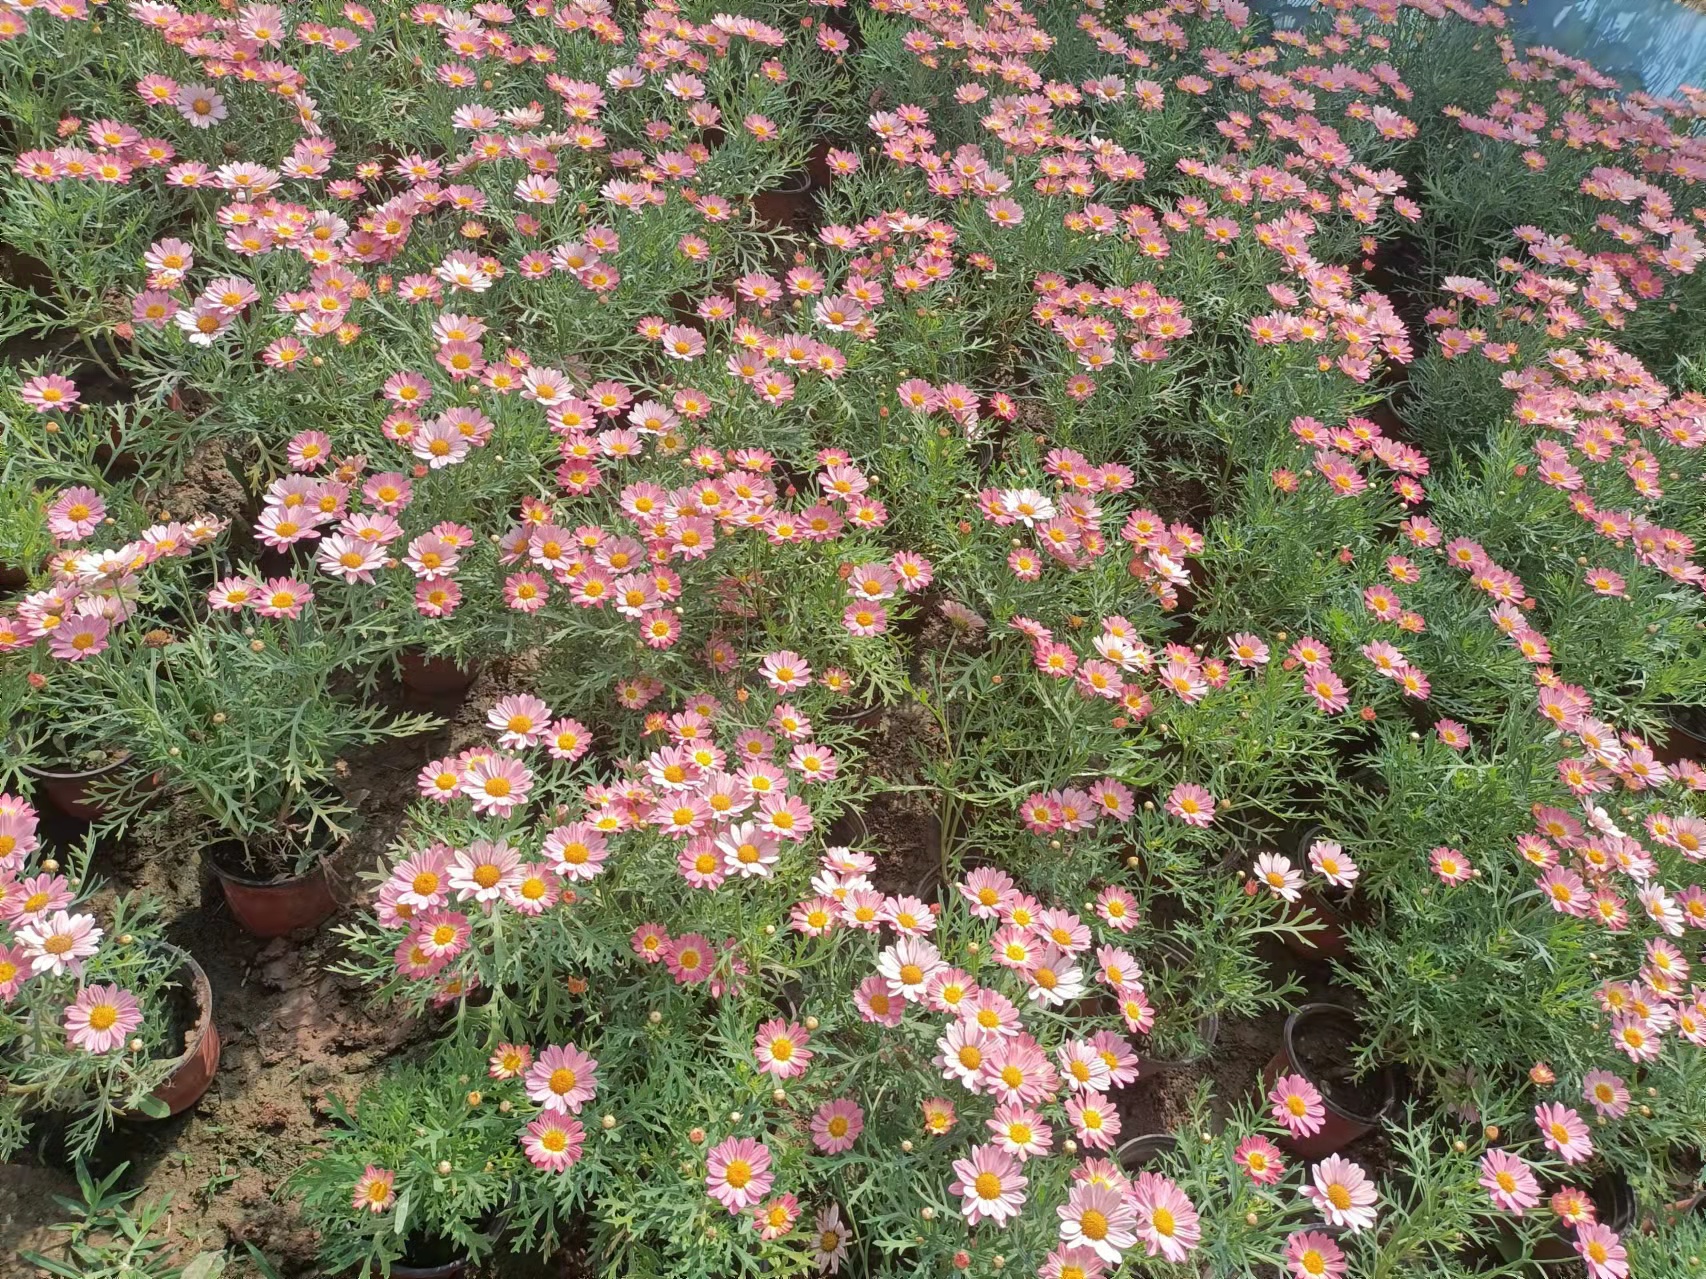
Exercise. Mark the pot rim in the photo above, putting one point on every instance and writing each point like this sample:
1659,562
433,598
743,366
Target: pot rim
1323,1008
203,991
1161,1141
1208,1030
81,775
277,881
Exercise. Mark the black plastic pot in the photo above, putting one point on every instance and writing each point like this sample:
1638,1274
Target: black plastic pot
1145,1151
1615,1206
1687,736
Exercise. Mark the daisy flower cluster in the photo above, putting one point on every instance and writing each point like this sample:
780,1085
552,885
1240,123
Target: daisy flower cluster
90,590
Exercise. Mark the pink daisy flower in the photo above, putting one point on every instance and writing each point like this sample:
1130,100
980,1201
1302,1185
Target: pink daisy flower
1602,1252
1450,865
991,1185
374,1190
1309,1254
837,1125
1342,1193
1297,1105
563,1079
1564,1132
737,1173
520,720
496,784
101,1018
1508,1182
1166,1218
486,872
690,958
1099,1218
1094,1120
509,1061
60,943
553,1142
1191,804
781,1049
49,393
1260,1159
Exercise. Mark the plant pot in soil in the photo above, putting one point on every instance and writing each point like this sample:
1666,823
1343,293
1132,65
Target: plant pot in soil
1150,1058
1686,738
783,203
1145,1151
271,906
434,676
429,1259
1316,1045
1325,939
1614,1205
194,1068
71,791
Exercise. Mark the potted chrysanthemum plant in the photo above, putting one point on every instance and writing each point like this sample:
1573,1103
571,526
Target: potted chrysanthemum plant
102,1018
248,734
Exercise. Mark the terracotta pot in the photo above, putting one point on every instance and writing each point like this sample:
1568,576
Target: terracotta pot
194,1068
274,907
1341,1125
1143,1152
71,792
434,676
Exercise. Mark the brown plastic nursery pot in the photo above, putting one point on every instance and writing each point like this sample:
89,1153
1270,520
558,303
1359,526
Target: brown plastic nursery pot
434,676
274,907
1342,1124
194,1068
72,792
1325,938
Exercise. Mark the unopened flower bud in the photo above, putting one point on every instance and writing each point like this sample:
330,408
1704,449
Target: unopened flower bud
1460,1145
136,1044
475,1097
928,1213
779,1096
1491,1132
812,1023
1251,1219
906,1145
655,1017
1541,1074
444,1167
607,1122
696,1136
